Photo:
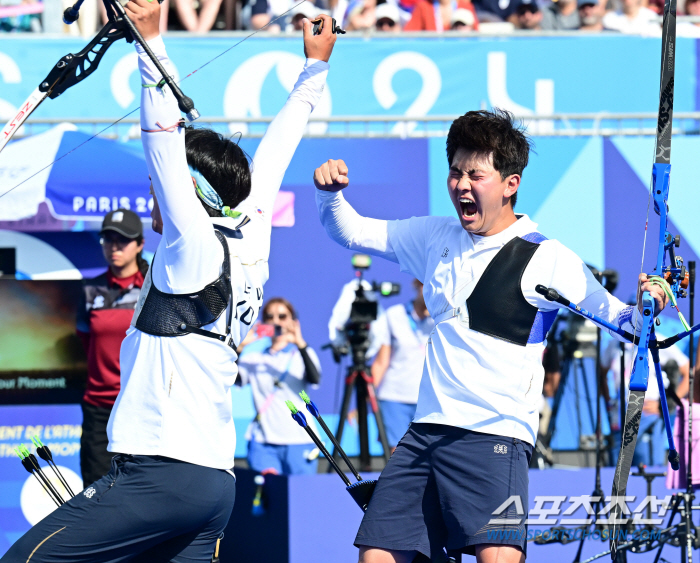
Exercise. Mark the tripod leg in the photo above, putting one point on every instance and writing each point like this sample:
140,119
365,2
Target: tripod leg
674,510
347,395
558,395
362,395
381,429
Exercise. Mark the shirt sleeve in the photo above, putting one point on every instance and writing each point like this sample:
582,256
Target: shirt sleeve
312,368
379,331
410,240
282,137
557,267
417,21
349,229
243,372
189,253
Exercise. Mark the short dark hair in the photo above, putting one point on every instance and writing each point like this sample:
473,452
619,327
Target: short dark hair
493,133
222,162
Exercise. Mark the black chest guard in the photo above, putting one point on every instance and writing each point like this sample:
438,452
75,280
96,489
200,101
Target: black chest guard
168,314
497,306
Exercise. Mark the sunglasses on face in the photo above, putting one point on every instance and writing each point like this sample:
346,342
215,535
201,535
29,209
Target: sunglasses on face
114,238
269,317
385,22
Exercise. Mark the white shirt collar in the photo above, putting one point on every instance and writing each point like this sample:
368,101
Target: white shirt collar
522,226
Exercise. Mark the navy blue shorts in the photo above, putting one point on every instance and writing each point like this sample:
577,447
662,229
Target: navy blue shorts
145,509
440,490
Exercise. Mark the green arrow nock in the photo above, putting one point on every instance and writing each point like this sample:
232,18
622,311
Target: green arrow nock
24,450
19,453
291,407
37,442
305,397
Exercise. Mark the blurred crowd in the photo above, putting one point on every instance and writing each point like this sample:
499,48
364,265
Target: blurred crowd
639,17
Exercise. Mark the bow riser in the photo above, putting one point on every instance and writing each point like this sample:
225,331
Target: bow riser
639,379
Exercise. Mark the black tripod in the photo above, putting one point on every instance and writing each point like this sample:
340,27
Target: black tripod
573,366
360,380
362,313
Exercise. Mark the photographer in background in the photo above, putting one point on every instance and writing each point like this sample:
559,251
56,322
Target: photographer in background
340,315
278,365
105,313
403,332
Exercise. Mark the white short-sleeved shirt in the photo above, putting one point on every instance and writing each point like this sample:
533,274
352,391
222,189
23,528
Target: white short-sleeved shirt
407,334
470,379
611,358
276,377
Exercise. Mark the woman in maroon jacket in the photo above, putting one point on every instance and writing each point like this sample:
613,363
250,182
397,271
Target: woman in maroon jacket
103,319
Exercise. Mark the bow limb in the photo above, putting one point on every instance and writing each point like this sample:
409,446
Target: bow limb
674,274
68,71
76,67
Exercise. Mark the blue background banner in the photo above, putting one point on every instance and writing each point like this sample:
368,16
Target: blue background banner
541,75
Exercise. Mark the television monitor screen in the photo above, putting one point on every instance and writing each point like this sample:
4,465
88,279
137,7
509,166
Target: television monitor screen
42,360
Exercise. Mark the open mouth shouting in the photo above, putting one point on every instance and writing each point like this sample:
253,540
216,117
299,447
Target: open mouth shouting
468,207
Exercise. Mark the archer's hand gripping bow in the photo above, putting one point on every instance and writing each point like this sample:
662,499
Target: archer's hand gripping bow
75,67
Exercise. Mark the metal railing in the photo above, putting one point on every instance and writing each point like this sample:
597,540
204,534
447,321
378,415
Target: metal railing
350,126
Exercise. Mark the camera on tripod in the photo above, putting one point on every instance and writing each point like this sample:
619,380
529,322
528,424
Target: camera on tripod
363,312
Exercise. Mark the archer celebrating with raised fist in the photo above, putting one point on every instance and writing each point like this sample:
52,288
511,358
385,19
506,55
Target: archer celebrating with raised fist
468,449
170,490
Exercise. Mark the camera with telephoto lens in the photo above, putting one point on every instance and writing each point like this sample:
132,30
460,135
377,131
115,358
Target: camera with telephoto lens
363,312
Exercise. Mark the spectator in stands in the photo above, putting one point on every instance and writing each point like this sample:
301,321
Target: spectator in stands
561,16
528,16
591,15
463,20
198,23
360,15
436,15
20,15
633,19
260,16
301,11
397,369
690,29
278,366
388,18
262,12
495,10
105,313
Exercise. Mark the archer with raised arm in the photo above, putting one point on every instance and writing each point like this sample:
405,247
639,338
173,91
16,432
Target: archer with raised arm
170,490
468,449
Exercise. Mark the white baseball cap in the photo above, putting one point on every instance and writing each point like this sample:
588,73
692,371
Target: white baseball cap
462,15
387,11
